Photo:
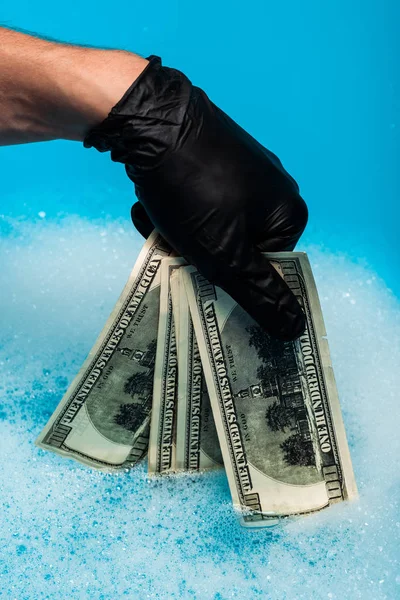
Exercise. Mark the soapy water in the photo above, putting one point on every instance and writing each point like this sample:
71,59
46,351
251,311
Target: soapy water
68,532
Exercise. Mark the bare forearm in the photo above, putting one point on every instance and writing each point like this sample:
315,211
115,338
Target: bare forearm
53,91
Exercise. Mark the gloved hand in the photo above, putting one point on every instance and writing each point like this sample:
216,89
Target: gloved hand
215,194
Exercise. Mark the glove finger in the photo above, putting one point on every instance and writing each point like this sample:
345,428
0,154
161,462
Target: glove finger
249,278
283,226
262,292
141,220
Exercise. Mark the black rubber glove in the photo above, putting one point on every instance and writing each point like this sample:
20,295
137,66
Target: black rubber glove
216,195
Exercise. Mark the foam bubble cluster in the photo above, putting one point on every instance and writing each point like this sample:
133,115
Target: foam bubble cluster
70,532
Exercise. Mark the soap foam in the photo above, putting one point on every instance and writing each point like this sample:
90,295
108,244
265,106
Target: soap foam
68,532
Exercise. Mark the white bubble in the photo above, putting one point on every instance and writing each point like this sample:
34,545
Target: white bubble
66,527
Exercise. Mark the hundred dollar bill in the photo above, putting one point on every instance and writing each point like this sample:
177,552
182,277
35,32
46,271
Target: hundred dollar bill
103,419
197,445
275,403
175,287
162,444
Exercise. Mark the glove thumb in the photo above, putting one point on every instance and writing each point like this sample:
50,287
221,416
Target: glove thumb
262,292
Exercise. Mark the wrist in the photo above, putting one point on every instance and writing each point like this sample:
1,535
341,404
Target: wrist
86,83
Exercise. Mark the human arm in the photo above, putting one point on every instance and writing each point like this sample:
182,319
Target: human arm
50,90
215,194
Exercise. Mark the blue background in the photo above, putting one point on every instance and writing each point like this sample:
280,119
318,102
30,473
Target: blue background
316,82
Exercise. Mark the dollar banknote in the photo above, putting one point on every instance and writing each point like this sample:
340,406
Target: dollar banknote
275,403
104,417
162,444
176,286
197,445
